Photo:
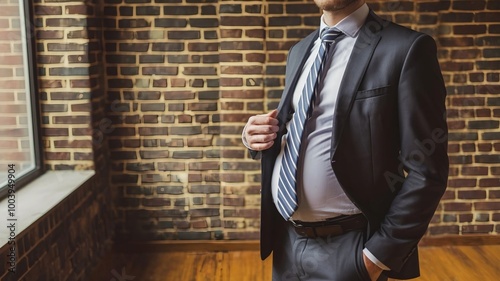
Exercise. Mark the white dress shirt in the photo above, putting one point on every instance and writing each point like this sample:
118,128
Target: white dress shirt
319,193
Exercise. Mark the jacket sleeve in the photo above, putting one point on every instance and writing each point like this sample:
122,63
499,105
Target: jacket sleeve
423,137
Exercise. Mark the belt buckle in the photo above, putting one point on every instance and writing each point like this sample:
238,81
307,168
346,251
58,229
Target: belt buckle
299,228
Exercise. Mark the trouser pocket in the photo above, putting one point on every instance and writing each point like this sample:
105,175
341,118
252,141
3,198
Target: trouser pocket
351,256
334,258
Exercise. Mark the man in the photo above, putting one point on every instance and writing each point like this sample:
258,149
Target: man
354,159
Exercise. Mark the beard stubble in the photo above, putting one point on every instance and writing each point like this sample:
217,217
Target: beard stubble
333,5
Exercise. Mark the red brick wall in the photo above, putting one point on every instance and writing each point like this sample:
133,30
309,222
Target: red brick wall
66,48
183,76
65,244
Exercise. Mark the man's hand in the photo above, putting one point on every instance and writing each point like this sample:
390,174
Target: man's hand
373,270
260,131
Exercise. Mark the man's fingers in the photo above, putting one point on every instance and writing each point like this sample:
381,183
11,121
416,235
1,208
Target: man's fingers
261,130
260,141
273,113
264,138
261,146
265,119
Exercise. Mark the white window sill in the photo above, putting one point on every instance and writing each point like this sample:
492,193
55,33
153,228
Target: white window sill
38,197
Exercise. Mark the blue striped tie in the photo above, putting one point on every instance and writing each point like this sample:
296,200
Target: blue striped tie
287,194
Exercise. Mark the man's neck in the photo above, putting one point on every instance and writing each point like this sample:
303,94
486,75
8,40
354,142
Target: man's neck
331,18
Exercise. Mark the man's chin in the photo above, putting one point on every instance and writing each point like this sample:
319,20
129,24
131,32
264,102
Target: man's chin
334,5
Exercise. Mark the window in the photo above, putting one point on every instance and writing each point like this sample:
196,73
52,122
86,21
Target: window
19,137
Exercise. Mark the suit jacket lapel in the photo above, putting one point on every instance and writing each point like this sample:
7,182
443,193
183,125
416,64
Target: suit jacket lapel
295,62
362,52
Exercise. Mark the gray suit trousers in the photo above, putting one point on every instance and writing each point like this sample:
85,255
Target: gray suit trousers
332,258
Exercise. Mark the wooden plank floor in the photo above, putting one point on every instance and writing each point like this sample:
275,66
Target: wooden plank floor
445,263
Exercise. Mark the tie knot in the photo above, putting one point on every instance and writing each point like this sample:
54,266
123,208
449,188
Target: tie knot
328,35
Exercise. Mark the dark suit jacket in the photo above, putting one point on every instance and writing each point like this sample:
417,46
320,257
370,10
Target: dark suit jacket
389,141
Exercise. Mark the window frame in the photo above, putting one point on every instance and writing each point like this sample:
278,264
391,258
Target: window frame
34,96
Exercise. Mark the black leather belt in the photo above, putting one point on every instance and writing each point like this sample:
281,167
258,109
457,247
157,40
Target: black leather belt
331,227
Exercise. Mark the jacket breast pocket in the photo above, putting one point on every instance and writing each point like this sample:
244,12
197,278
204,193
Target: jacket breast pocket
371,93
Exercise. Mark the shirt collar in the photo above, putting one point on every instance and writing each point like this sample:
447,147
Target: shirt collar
351,24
